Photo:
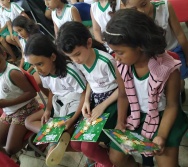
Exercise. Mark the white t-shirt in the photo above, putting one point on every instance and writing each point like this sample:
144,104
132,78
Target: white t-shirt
161,18
101,76
73,82
14,11
141,86
8,90
65,16
2,19
101,14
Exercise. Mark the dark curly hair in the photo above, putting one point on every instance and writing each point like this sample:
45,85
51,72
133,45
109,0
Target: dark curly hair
135,29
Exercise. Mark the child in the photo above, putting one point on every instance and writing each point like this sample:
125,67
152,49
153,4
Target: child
75,40
17,101
101,13
10,12
62,12
3,33
25,27
150,85
67,89
163,14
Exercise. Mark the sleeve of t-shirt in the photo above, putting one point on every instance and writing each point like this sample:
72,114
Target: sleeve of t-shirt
16,9
44,81
75,78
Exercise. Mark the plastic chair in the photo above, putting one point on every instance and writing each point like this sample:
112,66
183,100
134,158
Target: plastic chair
84,10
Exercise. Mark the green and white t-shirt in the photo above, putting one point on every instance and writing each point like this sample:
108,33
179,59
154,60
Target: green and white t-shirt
14,11
65,16
73,82
101,76
161,18
8,90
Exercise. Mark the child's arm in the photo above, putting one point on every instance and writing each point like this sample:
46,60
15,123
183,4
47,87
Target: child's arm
175,25
86,106
18,78
48,110
78,112
55,29
75,14
172,92
123,105
24,14
9,25
96,29
99,109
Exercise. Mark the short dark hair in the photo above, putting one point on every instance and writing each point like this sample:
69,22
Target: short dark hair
72,34
135,29
41,45
27,24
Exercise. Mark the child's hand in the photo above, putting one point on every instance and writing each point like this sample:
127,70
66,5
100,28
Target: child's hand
121,126
160,141
45,117
68,123
86,110
12,37
96,112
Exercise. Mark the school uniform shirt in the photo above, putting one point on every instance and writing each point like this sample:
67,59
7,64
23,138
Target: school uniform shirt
161,18
8,90
101,14
101,75
2,20
23,43
73,82
65,16
14,11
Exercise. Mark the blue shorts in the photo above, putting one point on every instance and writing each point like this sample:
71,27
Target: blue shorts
184,67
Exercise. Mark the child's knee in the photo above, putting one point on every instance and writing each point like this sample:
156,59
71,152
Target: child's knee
76,146
89,148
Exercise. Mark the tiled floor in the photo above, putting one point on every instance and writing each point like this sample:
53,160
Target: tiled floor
28,158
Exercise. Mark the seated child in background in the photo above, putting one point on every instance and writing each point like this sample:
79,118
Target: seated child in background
67,90
17,101
25,27
150,85
62,12
10,12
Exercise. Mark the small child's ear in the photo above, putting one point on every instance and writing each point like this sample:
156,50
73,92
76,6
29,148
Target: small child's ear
53,57
89,43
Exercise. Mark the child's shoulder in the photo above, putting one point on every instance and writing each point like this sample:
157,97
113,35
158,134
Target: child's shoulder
15,6
102,54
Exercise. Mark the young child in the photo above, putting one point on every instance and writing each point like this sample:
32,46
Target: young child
101,12
150,85
10,12
3,33
25,27
98,67
67,90
17,101
163,14
62,12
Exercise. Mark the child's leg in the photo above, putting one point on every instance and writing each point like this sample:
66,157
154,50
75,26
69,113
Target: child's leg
8,48
76,145
122,160
10,41
97,153
4,128
15,138
38,80
33,122
169,158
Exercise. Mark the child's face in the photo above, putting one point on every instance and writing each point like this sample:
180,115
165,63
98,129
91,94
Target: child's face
126,55
140,5
43,65
79,55
5,3
21,32
51,4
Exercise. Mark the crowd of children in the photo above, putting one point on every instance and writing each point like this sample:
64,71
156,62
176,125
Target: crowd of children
139,87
